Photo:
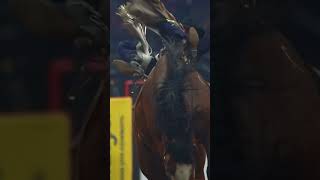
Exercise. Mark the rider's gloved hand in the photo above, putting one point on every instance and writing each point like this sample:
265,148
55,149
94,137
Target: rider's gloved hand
127,50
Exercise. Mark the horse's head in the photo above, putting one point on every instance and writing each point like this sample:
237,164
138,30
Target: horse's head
178,158
174,119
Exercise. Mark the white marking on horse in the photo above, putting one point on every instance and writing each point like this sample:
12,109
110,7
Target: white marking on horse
183,172
142,177
205,168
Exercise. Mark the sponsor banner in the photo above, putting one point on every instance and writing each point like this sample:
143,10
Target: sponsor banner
121,162
34,147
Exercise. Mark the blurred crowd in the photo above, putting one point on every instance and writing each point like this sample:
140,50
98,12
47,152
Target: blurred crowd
24,63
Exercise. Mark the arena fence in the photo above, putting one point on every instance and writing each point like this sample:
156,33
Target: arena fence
121,149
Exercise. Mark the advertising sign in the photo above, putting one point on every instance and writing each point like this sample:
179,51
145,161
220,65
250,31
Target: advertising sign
121,139
34,147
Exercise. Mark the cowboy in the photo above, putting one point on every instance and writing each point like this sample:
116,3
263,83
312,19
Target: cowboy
154,15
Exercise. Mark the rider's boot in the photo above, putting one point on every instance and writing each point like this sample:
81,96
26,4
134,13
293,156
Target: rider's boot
137,68
130,69
134,68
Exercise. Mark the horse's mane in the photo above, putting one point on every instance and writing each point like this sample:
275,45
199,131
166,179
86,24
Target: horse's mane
172,116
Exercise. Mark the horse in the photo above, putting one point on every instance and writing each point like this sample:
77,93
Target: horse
172,120
86,101
266,102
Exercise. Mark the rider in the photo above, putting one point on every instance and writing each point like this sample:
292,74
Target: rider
157,18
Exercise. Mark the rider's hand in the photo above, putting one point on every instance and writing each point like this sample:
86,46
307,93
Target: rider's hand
127,50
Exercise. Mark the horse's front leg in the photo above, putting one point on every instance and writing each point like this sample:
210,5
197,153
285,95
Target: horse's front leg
150,164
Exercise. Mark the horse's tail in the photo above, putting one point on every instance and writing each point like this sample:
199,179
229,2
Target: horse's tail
172,116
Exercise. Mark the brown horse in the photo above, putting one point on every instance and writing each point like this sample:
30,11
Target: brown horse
268,115
172,120
89,145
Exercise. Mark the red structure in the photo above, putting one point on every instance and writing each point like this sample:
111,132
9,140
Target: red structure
56,72
128,84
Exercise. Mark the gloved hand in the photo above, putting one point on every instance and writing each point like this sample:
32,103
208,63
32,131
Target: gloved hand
127,50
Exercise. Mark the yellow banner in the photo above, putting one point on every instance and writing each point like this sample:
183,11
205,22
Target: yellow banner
121,139
34,147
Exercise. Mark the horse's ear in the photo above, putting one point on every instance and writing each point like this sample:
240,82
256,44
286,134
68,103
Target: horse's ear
193,37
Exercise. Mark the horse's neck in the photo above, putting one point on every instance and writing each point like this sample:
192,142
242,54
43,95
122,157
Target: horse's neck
160,71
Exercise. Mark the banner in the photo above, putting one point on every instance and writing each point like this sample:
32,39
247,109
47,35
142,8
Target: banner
121,162
34,147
